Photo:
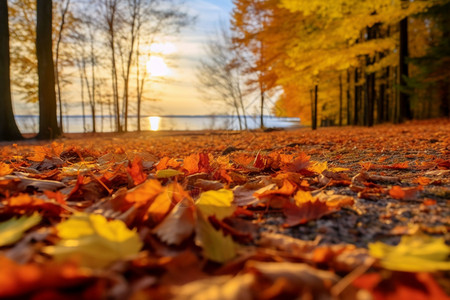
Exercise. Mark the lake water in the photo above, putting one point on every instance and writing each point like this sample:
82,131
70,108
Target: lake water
72,124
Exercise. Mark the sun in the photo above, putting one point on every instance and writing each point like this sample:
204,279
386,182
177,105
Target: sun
157,67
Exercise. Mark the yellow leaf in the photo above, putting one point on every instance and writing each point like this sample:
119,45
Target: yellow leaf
216,203
79,168
303,197
94,241
338,169
318,167
418,253
12,230
165,201
216,246
167,173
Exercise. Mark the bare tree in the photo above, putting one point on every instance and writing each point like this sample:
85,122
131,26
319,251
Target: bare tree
219,74
63,12
109,13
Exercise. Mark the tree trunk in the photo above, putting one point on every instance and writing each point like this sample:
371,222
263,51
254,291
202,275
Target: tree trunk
348,98
404,105
340,100
8,126
314,116
357,98
58,44
261,116
48,124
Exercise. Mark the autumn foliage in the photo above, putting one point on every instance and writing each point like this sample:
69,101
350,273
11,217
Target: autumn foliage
249,215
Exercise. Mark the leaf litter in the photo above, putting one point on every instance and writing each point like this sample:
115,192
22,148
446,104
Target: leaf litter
330,214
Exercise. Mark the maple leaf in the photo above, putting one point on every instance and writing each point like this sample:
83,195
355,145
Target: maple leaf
216,203
95,241
418,253
12,230
136,171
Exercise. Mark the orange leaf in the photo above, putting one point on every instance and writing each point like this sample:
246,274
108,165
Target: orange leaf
5,169
196,163
300,163
136,171
422,180
287,189
167,162
305,212
19,280
144,193
165,201
25,203
400,193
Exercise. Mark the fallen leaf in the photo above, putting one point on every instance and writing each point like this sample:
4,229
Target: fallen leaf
407,194
417,253
94,241
12,230
19,280
217,203
178,225
217,287
5,169
401,286
136,171
168,173
216,246
144,193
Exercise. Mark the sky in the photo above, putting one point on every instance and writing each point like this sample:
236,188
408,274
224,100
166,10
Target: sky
176,94
179,94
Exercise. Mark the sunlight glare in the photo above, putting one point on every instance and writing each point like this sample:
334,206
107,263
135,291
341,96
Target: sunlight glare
154,123
157,67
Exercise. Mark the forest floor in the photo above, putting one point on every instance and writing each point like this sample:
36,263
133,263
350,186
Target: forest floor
336,213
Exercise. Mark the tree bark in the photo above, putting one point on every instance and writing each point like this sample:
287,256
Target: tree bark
404,105
48,124
348,98
340,100
8,126
314,116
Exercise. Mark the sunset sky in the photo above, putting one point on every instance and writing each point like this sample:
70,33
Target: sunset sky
176,88
179,94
